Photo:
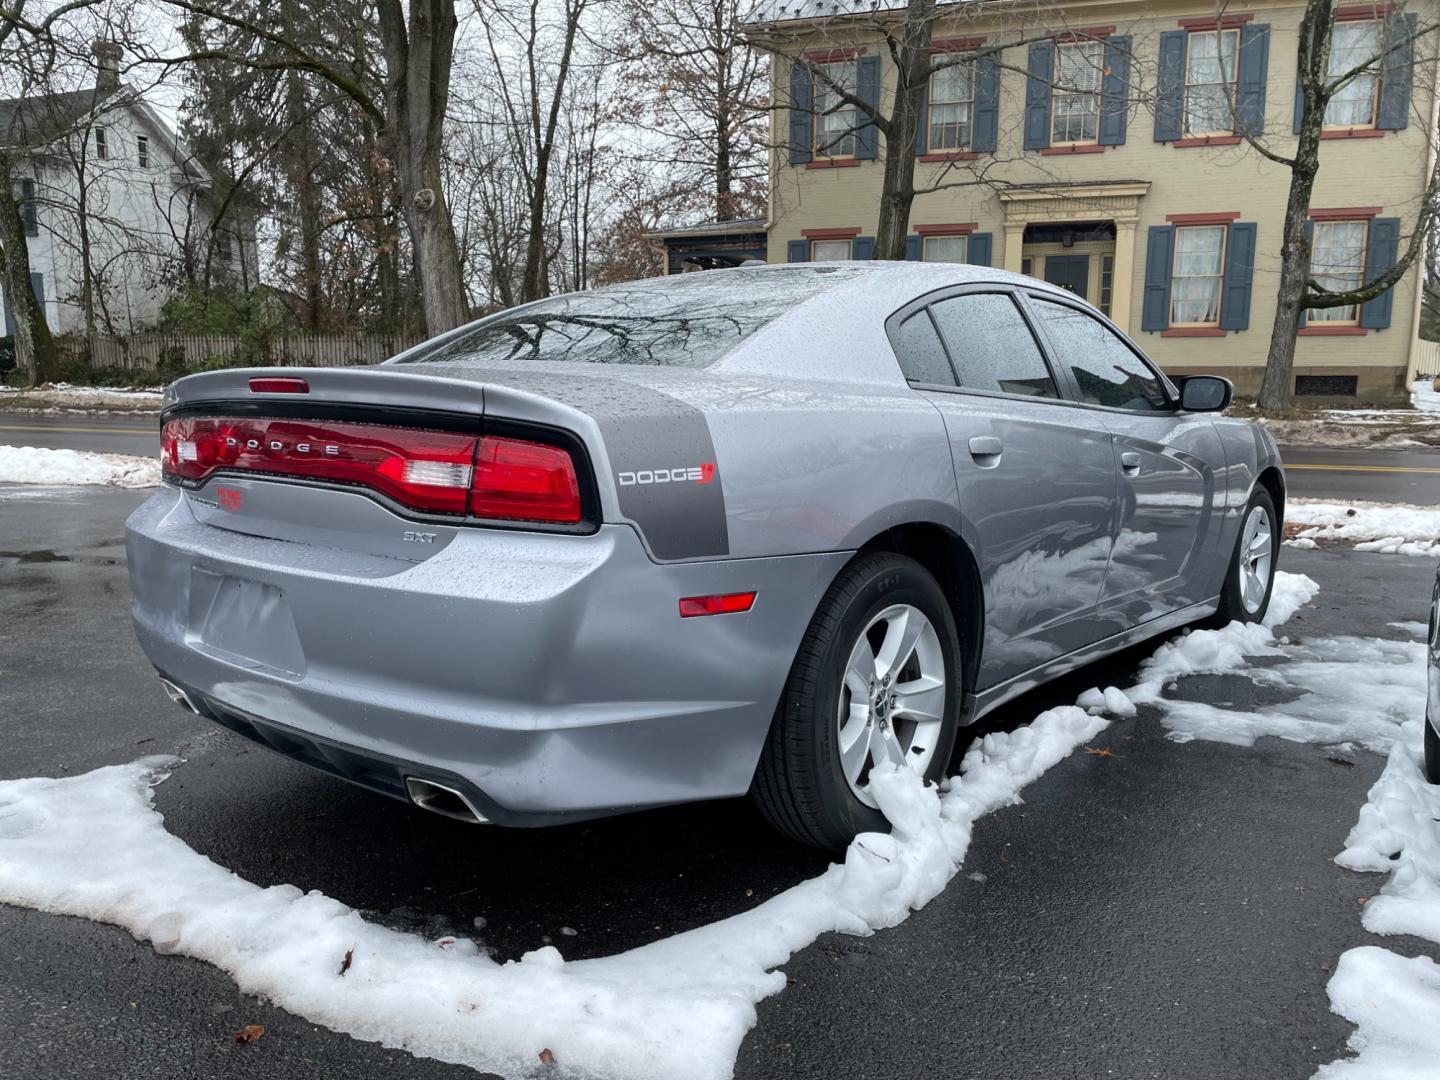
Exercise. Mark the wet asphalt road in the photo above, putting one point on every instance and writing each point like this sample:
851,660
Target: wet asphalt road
1411,476
1167,912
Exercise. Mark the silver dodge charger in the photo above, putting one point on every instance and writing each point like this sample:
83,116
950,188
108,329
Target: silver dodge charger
750,530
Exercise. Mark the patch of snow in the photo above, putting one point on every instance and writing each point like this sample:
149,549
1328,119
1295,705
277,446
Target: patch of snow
1305,544
1418,629
1394,528
35,465
1424,396
93,846
1393,1002
1111,700
68,398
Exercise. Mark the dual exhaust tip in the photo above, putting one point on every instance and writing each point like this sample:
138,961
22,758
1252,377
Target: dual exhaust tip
426,794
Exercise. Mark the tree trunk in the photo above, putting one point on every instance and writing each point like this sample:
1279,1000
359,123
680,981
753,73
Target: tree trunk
300,165
897,193
1277,385
34,347
418,59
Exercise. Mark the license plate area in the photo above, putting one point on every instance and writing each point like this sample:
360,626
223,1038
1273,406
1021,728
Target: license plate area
244,622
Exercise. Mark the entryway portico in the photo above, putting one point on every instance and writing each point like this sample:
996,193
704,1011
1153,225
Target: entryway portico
1092,209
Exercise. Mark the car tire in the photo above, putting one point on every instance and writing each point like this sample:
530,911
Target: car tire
801,785
1432,753
1235,604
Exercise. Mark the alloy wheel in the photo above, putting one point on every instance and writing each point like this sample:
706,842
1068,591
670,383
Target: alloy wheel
1257,554
892,699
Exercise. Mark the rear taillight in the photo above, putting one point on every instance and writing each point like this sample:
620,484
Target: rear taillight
432,471
525,481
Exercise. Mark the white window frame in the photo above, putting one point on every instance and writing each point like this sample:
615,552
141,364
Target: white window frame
829,145
1332,316
964,243
965,107
102,144
1219,276
1230,84
1095,49
1374,76
815,246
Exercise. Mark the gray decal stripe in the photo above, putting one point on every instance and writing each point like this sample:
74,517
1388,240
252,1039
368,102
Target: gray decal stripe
665,472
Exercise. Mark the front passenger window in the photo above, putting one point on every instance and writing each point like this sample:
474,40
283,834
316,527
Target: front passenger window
1105,369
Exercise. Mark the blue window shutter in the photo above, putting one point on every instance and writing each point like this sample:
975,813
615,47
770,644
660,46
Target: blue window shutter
1299,103
1037,95
1309,247
1170,86
797,251
1250,83
985,127
1380,255
1115,92
1155,313
28,216
914,248
1239,276
978,247
37,286
862,247
867,89
922,119
1397,72
802,119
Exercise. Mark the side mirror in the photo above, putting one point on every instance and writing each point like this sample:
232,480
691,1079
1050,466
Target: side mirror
1205,393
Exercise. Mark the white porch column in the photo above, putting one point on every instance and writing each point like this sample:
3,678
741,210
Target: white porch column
1014,241
1123,278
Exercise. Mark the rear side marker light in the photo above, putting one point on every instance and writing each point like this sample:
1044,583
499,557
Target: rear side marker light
279,386
725,604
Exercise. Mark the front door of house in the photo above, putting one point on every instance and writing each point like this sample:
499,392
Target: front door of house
1070,272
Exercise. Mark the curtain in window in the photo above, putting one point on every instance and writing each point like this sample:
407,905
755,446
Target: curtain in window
952,94
1195,289
835,120
1079,68
1337,262
1210,81
1353,44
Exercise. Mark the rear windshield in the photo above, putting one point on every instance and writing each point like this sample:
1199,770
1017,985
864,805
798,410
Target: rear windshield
690,320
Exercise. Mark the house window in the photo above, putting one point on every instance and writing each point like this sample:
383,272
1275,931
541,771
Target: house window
1027,266
222,247
1075,117
1198,272
952,103
1337,262
829,250
1353,44
945,249
835,120
28,215
102,150
1326,385
1210,81
1107,281
142,151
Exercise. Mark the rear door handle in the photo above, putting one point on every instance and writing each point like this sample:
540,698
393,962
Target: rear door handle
986,450
1130,463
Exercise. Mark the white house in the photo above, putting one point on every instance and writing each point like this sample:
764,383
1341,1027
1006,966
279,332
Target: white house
110,197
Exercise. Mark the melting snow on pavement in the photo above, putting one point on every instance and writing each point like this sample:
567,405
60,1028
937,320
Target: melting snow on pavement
34,465
1393,528
94,846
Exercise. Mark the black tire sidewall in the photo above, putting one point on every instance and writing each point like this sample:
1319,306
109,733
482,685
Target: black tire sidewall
1232,606
1432,752
897,580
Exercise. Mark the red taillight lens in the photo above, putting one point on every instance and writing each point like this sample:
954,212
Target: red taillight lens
279,386
727,604
424,470
434,471
517,480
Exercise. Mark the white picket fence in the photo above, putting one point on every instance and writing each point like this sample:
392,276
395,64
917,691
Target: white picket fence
145,352
1427,357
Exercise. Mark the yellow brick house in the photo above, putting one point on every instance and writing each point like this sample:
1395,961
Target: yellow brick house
1100,152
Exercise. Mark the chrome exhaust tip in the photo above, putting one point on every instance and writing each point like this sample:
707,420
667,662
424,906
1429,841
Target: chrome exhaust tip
442,800
180,697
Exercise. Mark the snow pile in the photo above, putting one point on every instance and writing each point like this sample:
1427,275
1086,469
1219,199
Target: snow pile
1424,396
34,465
93,846
1393,1001
67,397
1393,528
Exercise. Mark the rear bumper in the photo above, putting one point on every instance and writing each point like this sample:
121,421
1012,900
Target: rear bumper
552,675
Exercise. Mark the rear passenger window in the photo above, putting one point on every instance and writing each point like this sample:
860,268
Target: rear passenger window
1105,369
992,345
922,357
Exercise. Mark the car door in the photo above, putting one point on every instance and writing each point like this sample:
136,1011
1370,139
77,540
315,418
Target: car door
1170,504
1035,476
